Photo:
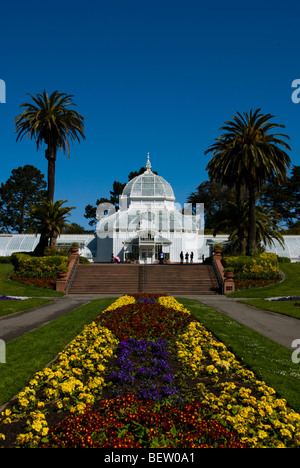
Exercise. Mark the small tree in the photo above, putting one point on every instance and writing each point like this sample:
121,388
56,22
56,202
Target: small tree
51,217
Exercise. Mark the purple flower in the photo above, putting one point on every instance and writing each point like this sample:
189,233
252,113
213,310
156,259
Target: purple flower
146,300
286,298
8,298
155,380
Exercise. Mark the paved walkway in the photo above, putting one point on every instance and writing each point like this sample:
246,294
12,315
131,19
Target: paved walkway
279,328
15,325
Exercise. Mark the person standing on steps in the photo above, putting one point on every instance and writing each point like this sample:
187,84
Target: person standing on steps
181,258
161,258
187,257
192,257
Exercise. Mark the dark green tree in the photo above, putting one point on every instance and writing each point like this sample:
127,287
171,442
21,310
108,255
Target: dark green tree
215,197
116,192
25,187
284,199
74,228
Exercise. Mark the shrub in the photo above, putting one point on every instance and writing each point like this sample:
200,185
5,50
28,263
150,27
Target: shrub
84,261
263,266
38,267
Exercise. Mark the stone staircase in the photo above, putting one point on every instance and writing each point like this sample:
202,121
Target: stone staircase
172,279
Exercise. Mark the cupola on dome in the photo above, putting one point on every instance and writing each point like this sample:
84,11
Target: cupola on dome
149,186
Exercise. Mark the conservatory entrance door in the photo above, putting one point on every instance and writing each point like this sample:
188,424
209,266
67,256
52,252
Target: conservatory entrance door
146,255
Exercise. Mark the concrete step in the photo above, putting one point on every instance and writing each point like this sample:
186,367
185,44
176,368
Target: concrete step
165,279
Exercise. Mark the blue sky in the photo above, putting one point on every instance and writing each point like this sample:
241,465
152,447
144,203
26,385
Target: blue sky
148,76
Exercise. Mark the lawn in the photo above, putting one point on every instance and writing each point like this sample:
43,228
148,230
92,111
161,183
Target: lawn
289,287
13,288
281,307
36,296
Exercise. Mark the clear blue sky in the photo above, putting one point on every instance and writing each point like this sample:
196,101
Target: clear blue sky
158,76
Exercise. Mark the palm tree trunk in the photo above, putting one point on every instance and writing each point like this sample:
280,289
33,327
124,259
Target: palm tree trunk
252,248
51,158
40,248
242,241
241,230
53,239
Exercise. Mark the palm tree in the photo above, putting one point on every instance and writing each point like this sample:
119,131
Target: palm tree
234,219
51,219
247,154
49,120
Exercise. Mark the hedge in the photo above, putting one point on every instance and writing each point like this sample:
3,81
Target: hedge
27,266
263,266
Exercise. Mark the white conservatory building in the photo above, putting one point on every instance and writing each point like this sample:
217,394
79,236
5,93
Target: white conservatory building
147,223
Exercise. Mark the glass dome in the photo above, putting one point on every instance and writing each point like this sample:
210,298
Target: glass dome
149,185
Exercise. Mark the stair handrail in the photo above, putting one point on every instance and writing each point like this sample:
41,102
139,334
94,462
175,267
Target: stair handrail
72,273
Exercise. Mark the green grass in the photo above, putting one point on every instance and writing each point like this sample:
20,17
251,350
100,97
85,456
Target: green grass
8,307
8,287
269,361
33,351
281,307
289,287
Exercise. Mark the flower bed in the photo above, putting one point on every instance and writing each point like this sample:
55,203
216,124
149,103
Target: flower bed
47,283
253,283
147,375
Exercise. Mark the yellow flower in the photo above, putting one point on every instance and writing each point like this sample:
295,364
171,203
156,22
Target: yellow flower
286,433
211,369
23,438
262,434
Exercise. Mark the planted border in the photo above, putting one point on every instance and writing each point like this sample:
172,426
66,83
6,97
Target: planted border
211,400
